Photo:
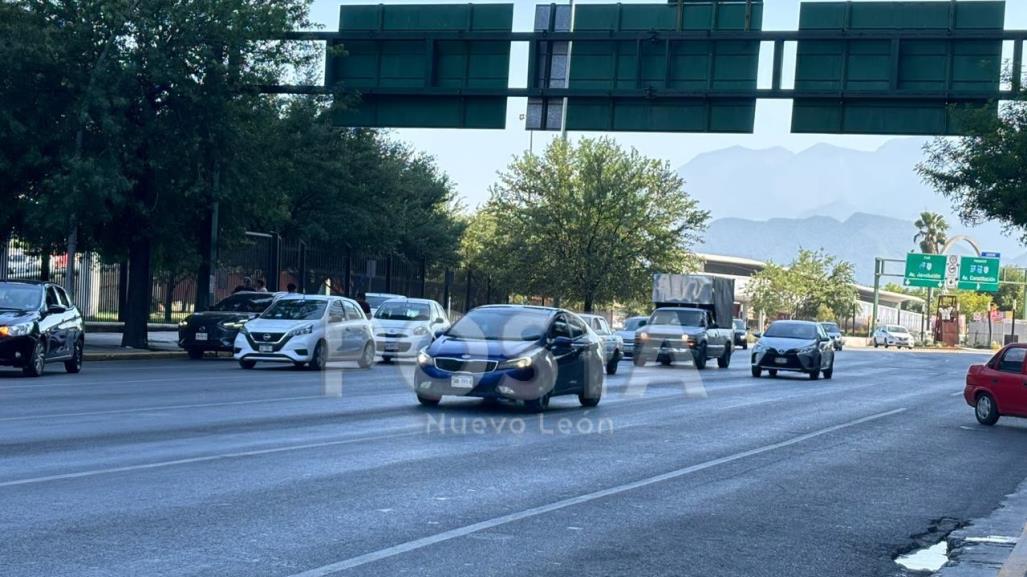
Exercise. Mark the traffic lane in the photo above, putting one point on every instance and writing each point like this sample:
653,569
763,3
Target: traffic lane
52,445
845,504
304,490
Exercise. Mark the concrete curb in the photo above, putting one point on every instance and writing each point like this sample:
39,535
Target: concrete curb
1016,565
993,546
132,355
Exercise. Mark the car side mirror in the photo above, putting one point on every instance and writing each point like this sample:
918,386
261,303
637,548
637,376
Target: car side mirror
440,333
561,343
757,335
56,309
440,320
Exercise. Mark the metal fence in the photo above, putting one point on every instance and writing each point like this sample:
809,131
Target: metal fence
259,257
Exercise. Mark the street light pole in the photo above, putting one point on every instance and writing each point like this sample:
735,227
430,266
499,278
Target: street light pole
567,81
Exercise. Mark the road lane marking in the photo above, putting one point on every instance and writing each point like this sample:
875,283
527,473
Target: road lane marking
159,408
423,542
407,432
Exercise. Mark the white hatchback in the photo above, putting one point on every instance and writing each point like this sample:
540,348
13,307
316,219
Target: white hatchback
403,327
307,330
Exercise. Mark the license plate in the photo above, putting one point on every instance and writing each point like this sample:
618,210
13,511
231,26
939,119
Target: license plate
266,348
201,336
462,382
781,361
392,347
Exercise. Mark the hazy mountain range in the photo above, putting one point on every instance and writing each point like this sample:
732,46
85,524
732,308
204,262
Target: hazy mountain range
768,203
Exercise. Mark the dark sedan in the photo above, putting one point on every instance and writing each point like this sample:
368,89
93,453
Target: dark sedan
39,325
518,353
215,330
800,346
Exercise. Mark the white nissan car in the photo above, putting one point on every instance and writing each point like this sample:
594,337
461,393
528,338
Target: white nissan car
892,336
403,327
308,331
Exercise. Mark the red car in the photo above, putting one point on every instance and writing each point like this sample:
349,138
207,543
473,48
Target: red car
999,387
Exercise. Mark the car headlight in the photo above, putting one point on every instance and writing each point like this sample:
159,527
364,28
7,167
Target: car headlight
420,331
304,330
642,336
424,359
808,350
234,325
687,338
183,323
518,363
16,330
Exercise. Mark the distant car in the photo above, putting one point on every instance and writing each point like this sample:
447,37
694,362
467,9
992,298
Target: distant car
997,388
613,344
892,336
216,329
520,353
837,337
741,334
375,300
403,327
627,333
800,346
307,330
676,334
38,325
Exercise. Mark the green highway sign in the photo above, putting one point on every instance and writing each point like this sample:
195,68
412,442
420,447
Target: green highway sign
925,270
979,273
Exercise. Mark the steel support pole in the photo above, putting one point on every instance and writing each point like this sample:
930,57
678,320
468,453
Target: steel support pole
878,269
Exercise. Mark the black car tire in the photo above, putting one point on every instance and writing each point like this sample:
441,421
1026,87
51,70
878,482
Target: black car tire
195,354
699,357
829,372
985,410
875,343
757,372
247,364
428,401
724,360
666,361
36,362
538,405
611,367
386,359
367,357
745,345
772,372
814,375
318,361
74,364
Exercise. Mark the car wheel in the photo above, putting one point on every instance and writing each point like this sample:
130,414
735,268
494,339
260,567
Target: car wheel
814,375
757,372
538,405
875,343
985,410
428,401
724,361
367,358
666,361
772,372
74,365
318,361
588,400
37,361
699,357
829,371
611,367
745,345
195,354
247,364
386,359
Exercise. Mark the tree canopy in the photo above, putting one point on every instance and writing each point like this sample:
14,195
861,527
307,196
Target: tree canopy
813,286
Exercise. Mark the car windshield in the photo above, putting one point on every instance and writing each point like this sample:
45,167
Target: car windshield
739,325
403,311
683,317
20,297
897,329
501,324
296,310
830,327
792,331
245,303
633,323
378,300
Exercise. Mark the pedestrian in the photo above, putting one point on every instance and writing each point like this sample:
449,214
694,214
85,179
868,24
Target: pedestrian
362,301
247,285
261,286
291,287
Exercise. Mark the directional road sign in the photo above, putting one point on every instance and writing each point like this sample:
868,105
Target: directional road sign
925,270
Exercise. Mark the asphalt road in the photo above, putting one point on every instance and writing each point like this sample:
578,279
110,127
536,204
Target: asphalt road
201,468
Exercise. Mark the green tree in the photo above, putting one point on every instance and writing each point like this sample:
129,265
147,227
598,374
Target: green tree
812,284
592,222
932,232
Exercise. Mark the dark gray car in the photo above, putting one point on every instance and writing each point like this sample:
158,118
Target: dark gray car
800,346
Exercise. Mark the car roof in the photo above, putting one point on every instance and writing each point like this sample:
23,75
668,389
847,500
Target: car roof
412,300
298,297
680,309
791,322
393,295
26,282
536,308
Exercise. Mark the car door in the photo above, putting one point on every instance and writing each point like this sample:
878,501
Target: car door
440,321
51,326
356,332
71,324
826,348
564,351
335,325
1008,382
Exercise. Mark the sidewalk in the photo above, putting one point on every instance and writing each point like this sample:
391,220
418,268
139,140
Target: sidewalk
107,346
993,546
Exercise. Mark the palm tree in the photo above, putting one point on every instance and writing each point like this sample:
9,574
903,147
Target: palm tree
933,232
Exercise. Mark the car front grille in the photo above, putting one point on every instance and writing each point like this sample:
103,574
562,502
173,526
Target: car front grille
465,365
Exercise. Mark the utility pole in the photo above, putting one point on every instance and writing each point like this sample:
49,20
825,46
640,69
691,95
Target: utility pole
878,270
563,109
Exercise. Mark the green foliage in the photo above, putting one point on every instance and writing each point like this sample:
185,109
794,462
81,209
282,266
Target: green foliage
588,223
813,286
932,232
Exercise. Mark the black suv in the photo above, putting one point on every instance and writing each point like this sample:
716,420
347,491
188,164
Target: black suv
215,330
39,325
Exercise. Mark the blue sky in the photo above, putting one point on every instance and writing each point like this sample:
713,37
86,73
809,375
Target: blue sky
472,157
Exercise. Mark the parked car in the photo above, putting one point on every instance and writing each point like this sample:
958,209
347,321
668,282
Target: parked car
375,300
800,346
998,387
683,334
403,327
38,325
627,333
216,329
837,337
613,344
307,331
741,334
520,353
892,336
